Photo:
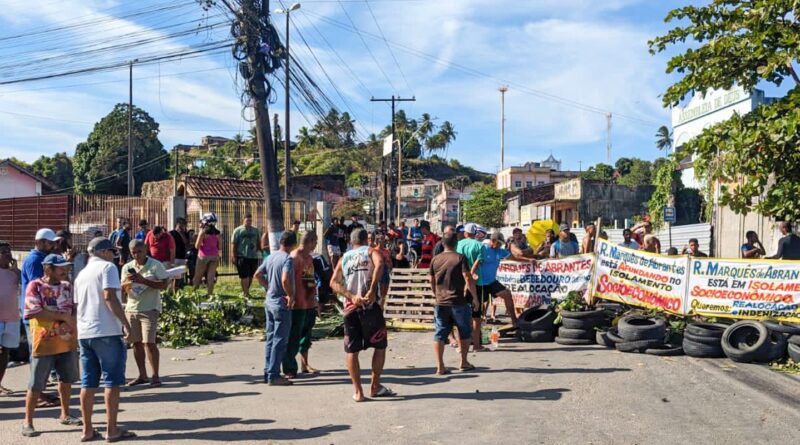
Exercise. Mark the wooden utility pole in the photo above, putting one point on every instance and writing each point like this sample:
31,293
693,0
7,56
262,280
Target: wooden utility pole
256,88
390,205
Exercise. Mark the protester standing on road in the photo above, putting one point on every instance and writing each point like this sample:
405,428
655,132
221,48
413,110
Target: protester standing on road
276,275
343,236
102,325
356,278
9,309
50,310
488,287
160,245
627,241
377,242
752,248
452,284
399,258
439,247
587,244
331,238
143,279
143,230
518,245
429,240
415,238
304,312
475,252
693,249
564,246
208,248
246,252
789,245
354,224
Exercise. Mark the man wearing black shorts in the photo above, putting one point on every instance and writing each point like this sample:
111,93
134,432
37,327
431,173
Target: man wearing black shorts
357,278
246,252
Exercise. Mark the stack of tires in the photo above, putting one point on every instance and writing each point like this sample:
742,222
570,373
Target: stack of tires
535,325
749,341
579,327
792,333
638,333
703,340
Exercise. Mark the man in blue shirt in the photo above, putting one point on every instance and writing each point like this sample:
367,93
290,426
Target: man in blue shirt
488,286
415,238
142,233
276,274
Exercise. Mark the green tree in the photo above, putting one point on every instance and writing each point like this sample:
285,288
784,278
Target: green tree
57,169
742,42
100,164
638,173
347,207
486,206
601,172
663,138
623,166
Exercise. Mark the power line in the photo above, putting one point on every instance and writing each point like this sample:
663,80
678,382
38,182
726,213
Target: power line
374,59
116,175
399,68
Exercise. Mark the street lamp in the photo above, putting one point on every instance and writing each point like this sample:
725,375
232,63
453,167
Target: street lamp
286,158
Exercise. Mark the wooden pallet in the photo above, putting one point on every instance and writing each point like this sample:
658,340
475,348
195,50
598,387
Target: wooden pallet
410,298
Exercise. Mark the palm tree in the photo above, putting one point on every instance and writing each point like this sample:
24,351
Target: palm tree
663,138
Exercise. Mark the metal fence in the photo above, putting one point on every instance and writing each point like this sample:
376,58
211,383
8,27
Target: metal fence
98,213
20,218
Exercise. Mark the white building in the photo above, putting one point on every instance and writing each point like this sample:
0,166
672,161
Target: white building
703,111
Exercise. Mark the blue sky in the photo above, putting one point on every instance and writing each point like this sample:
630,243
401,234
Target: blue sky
550,52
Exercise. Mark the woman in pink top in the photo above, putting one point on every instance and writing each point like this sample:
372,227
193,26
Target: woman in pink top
207,244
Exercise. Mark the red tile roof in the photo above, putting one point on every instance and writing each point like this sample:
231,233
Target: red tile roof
197,187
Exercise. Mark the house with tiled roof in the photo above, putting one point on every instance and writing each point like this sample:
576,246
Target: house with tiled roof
18,182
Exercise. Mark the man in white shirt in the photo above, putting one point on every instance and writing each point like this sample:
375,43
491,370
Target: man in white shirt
102,326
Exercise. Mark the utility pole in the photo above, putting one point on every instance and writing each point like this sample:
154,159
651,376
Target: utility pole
287,160
608,138
251,38
276,141
390,209
502,90
130,126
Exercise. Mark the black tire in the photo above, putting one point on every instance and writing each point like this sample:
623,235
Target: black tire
701,350
706,329
574,341
537,319
535,336
776,348
575,333
586,324
795,340
794,352
747,341
638,345
601,337
667,350
582,314
786,328
613,335
714,341
637,327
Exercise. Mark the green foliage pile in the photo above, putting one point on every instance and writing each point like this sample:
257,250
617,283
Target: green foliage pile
729,43
185,321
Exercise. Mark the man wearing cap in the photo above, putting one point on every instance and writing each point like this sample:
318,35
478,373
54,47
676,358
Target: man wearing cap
488,286
50,310
102,325
475,252
143,279
518,245
565,245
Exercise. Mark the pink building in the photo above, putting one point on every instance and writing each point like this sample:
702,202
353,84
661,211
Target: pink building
18,182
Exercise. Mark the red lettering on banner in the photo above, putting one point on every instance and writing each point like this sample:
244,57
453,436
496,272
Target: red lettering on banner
604,285
727,294
624,267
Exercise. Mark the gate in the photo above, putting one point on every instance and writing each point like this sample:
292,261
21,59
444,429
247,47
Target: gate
20,218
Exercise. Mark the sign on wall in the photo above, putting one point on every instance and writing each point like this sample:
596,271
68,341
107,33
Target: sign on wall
568,190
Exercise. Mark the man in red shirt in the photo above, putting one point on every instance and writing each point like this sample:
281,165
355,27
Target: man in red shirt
429,240
161,245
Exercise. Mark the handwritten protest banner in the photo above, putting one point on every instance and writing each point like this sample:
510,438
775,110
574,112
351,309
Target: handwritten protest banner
536,284
640,278
744,289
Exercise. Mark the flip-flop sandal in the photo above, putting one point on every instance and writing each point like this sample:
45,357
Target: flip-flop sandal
124,434
5,392
137,381
95,435
70,421
359,401
384,392
49,403
156,384
467,368
314,372
445,372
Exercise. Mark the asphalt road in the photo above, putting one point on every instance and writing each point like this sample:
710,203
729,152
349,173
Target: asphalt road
523,393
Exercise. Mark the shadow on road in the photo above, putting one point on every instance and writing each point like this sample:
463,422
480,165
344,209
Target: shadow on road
256,435
544,394
181,396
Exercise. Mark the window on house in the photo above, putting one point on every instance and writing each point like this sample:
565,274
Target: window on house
517,184
529,184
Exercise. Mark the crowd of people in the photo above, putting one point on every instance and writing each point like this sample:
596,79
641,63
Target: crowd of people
80,313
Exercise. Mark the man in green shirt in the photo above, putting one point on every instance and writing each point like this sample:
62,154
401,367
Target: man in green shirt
143,279
246,252
475,252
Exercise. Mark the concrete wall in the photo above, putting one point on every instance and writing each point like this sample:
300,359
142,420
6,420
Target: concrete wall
611,201
731,228
14,184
